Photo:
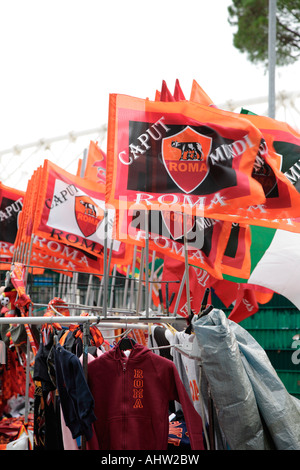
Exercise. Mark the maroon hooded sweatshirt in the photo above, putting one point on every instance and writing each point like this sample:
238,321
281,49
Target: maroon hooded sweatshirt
132,401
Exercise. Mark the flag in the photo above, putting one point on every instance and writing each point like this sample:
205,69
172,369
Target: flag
180,155
55,255
165,94
275,168
285,142
198,95
178,93
206,239
71,210
275,262
95,169
247,301
11,204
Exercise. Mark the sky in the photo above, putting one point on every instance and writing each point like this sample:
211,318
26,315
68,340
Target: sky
61,59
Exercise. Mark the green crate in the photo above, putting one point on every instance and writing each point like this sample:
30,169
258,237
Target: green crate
271,338
283,359
273,318
291,381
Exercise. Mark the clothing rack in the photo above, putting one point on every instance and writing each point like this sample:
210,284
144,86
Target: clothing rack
108,321
121,321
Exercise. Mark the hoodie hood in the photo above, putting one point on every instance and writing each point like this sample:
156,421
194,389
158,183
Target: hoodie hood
137,353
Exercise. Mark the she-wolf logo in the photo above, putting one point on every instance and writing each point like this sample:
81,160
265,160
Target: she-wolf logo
88,215
185,158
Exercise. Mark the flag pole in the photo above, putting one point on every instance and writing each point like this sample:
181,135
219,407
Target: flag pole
187,280
105,264
133,277
147,263
126,286
272,57
112,289
179,294
139,293
152,275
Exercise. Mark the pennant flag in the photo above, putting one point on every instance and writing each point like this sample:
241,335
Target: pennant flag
11,204
198,95
275,262
95,169
165,94
180,155
178,93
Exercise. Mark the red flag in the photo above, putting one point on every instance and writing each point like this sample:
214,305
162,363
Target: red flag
248,300
178,93
165,94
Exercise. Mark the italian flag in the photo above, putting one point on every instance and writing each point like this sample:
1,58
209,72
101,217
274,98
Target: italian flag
275,262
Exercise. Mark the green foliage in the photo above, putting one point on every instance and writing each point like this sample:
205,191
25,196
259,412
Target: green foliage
251,18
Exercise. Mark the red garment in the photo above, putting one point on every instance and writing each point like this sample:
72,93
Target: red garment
132,400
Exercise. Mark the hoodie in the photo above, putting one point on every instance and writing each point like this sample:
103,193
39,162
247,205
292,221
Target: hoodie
131,396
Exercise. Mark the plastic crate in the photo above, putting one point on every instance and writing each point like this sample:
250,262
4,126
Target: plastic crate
272,338
291,381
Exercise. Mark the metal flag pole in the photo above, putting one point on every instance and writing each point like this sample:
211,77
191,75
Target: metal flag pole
112,290
105,263
133,277
147,263
152,275
139,293
187,279
179,294
272,57
126,286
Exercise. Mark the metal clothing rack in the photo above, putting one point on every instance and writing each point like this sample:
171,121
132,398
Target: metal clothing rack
121,321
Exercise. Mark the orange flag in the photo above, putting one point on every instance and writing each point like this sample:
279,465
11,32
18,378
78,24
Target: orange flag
198,95
275,169
180,154
95,169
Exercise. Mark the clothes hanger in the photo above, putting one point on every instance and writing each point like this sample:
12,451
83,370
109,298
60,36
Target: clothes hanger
126,343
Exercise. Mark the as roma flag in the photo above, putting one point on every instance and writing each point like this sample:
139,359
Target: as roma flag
182,154
71,210
281,207
11,205
276,169
206,238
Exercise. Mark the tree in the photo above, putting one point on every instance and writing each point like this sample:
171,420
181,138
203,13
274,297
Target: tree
251,19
